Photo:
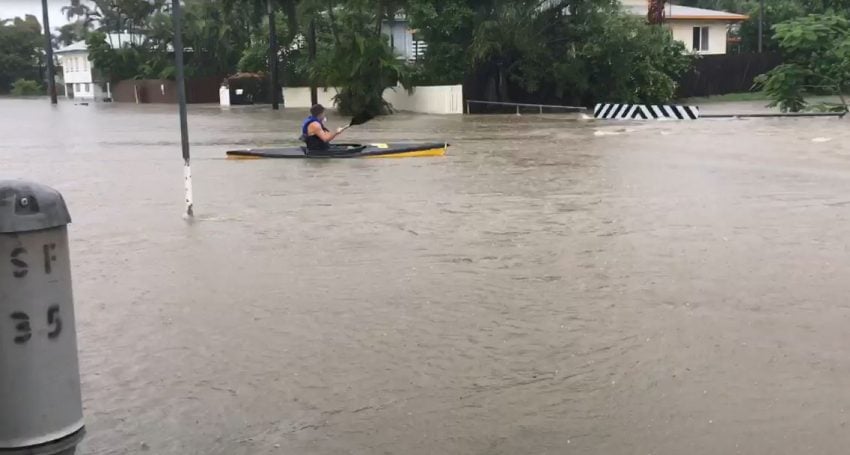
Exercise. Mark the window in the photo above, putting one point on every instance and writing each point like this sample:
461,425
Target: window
419,47
700,39
88,87
78,87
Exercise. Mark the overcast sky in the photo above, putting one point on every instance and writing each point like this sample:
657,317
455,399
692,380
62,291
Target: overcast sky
12,8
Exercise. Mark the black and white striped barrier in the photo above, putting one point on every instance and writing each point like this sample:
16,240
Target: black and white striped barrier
645,112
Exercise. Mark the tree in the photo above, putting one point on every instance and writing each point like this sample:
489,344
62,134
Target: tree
72,32
655,16
360,62
21,50
271,7
115,64
576,51
816,51
23,87
80,11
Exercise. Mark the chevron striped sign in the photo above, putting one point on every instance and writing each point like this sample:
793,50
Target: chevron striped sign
645,111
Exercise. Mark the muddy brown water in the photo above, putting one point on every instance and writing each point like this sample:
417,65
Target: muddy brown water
551,286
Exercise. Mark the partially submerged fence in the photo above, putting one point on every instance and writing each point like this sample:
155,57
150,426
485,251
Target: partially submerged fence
727,73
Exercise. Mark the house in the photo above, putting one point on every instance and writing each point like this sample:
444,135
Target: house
703,31
77,72
81,80
403,39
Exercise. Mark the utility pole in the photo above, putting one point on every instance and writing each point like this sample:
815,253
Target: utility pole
51,82
273,56
761,24
311,44
181,98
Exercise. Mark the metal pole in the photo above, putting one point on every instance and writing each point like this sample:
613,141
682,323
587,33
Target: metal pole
761,23
51,82
181,98
273,56
314,92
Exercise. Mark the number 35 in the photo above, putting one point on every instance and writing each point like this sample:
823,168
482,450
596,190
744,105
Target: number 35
24,329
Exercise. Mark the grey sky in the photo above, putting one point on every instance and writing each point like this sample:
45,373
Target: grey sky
12,8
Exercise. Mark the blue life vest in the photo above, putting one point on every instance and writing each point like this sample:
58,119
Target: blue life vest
307,123
313,142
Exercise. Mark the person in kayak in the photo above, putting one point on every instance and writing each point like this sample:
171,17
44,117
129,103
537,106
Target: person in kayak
314,133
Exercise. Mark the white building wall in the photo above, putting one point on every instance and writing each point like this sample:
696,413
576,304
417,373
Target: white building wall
400,37
76,67
87,91
441,99
717,35
300,96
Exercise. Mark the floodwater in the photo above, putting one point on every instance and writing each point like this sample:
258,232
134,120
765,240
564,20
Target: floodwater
551,286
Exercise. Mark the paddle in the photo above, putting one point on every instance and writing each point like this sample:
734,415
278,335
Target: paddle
358,119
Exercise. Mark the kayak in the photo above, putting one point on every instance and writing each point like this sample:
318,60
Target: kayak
397,150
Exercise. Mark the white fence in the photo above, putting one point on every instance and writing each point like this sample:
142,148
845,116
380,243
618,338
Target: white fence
439,99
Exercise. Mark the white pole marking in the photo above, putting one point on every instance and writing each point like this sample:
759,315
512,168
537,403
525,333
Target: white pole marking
187,177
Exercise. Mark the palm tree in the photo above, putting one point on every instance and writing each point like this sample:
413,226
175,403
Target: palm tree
78,9
656,12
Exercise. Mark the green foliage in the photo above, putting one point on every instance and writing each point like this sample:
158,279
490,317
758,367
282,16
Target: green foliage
292,59
21,46
775,12
24,87
115,64
254,59
816,51
587,51
215,36
72,32
632,62
361,62
785,86
447,26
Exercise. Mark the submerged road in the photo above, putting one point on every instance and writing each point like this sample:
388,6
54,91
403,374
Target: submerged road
552,286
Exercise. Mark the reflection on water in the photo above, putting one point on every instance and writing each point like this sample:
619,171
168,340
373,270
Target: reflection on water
551,286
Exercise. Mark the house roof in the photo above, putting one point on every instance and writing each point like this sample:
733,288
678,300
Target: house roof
77,46
115,40
678,12
688,13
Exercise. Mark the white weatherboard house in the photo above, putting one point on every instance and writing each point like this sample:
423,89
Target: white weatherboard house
703,31
403,40
81,80
77,72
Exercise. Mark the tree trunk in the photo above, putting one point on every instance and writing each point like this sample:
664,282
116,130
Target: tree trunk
273,56
332,18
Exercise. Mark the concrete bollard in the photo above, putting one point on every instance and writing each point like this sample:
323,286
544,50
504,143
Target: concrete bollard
40,403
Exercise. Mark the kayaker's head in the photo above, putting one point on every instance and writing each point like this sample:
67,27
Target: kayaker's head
318,111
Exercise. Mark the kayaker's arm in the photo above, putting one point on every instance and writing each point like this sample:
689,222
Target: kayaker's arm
315,129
